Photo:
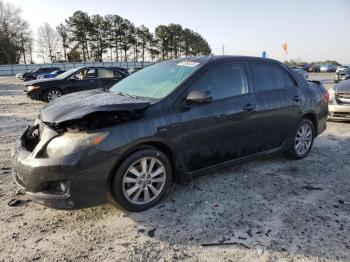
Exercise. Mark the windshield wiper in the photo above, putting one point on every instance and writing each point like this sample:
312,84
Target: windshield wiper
125,94
135,97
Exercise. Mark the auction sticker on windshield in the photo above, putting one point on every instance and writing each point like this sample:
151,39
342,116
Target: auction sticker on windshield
188,63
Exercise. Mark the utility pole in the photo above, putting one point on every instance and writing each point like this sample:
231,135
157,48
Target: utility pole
223,50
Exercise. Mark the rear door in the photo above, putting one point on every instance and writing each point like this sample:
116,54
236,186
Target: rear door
225,128
279,102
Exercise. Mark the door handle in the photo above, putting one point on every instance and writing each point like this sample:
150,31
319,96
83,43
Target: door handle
249,107
297,99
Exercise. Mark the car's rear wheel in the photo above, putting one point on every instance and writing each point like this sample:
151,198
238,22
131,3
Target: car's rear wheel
142,180
52,94
303,140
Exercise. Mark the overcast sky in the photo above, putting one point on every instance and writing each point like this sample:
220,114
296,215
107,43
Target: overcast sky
314,29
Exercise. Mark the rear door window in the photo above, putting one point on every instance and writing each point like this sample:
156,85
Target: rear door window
223,81
105,73
268,77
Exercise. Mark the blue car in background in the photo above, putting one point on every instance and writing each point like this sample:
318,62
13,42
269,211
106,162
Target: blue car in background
51,75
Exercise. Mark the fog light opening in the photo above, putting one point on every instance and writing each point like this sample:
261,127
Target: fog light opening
63,187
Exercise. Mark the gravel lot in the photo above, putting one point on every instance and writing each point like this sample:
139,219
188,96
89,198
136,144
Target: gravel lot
269,209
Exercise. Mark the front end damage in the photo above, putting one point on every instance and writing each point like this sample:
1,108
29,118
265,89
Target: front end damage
59,161
59,164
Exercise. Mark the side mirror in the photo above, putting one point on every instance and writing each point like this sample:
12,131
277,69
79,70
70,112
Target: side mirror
198,97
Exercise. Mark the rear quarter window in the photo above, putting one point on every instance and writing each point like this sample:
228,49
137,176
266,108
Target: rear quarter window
289,80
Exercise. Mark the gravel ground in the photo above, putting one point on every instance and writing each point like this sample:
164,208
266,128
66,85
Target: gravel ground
268,209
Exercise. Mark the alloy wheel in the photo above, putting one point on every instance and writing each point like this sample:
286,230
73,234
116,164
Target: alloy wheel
144,180
303,139
53,94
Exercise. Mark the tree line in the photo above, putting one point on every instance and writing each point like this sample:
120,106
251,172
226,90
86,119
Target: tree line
91,38
84,37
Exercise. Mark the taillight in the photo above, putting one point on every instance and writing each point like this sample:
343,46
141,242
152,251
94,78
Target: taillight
329,96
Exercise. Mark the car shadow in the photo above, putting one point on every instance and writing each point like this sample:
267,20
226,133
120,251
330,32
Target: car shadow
272,203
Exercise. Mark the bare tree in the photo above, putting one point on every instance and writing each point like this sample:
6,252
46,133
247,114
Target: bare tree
14,34
48,41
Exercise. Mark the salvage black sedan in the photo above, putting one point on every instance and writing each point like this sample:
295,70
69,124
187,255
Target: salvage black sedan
74,80
168,122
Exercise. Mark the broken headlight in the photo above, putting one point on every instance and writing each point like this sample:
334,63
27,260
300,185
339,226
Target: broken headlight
69,143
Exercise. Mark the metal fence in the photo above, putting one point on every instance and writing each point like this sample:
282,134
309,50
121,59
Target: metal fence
9,70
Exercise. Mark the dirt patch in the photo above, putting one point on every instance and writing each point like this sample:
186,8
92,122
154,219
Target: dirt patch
268,209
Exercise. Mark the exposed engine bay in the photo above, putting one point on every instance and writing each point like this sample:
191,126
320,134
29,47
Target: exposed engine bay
89,122
95,121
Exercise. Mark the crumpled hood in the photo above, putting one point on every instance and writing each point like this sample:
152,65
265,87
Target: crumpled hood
343,87
41,81
80,104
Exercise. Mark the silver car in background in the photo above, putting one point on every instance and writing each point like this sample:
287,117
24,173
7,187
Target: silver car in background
339,101
341,74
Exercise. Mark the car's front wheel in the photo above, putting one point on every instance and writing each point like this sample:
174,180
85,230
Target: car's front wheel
52,94
142,180
303,140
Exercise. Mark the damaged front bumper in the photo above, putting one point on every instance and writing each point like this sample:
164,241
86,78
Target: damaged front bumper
72,181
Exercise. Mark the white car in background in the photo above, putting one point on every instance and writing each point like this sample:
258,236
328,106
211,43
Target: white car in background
19,76
301,71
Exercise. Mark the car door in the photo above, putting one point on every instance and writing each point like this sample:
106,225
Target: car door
84,79
107,78
278,101
225,128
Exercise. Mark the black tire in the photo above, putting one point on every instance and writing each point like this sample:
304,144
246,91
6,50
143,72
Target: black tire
118,187
292,151
47,93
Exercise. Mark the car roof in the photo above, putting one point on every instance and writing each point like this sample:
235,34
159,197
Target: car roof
219,58
98,67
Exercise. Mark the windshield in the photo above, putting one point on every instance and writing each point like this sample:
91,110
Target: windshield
155,81
67,73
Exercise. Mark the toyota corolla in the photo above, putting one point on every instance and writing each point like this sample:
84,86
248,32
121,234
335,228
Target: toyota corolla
166,123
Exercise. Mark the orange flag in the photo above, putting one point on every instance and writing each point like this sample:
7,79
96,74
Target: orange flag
285,47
